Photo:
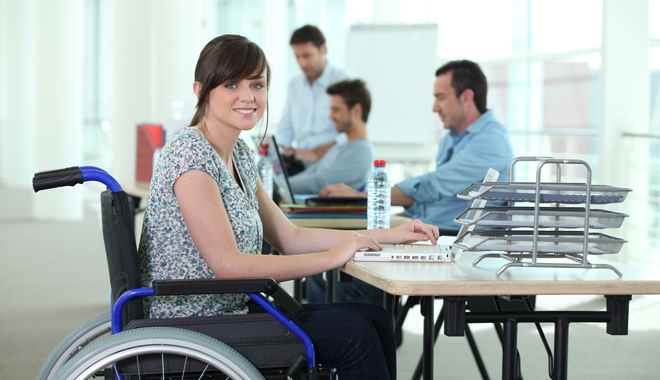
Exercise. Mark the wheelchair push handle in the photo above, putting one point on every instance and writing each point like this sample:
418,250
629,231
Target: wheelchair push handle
57,178
72,176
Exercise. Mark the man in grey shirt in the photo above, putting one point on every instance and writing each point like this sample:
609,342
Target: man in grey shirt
349,163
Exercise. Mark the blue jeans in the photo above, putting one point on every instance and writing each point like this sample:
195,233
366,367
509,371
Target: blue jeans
355,291
357,338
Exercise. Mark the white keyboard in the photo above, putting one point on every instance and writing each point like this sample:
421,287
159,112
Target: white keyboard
420,248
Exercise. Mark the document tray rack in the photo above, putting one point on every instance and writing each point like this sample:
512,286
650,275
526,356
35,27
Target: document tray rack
547,242
541,236
550,192
549,217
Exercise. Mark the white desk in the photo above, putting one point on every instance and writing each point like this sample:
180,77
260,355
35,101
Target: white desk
461,278
456,281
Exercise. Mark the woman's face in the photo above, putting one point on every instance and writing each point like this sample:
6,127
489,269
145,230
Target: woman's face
239,105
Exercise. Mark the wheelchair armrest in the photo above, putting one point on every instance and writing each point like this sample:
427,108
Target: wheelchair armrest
289,304
217,286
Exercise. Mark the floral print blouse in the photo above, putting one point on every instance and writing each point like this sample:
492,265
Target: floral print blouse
166,250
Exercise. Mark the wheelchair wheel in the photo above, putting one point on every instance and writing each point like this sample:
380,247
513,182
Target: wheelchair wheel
78,339
174,351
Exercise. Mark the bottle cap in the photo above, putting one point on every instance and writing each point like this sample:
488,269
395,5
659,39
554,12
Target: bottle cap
379,163
264,146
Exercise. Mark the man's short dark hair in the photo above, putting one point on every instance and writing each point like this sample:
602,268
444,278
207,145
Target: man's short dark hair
353,92
467,74
307,33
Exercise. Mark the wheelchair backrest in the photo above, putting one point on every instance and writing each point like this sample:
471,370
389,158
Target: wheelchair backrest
121,251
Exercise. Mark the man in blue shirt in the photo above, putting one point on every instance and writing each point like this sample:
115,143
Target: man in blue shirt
305,119
476,142
350,163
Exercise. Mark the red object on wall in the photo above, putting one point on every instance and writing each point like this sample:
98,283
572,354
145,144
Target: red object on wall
149,138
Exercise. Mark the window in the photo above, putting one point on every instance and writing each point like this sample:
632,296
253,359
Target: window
550,108
542,61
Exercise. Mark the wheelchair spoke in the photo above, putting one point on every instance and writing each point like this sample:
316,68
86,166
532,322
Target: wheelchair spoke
183,373
203,372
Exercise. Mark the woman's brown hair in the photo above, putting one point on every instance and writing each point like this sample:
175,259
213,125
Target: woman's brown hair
227,58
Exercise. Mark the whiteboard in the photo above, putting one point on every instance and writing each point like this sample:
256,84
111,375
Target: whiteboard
398,64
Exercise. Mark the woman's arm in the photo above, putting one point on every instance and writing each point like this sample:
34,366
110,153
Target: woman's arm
209,226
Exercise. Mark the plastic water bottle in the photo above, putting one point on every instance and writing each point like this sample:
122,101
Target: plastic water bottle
378,198
265,170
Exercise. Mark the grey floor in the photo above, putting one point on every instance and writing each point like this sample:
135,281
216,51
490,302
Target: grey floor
53,277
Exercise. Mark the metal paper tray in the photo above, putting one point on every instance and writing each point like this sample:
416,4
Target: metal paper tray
549,217
550,192
548,242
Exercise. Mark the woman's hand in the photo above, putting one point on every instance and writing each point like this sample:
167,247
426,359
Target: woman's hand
414,231
351,243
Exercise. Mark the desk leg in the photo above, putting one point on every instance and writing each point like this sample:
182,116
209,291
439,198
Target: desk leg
427,311
561,349
330,285
509,355
475,353
455,315
618,307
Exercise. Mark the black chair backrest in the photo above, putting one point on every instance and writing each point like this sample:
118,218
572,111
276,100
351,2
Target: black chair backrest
121,251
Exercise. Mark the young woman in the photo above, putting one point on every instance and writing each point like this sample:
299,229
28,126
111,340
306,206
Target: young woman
208,213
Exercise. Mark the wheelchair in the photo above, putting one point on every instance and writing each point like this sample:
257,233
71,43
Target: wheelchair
249,346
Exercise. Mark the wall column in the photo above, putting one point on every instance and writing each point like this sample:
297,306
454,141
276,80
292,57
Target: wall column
58,136
17,116
625,108
624,81
42,123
